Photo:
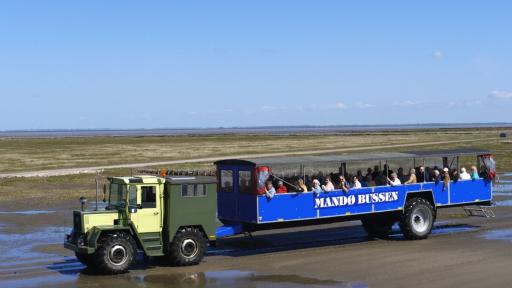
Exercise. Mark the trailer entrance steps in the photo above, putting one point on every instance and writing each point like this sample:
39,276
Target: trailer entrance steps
480,211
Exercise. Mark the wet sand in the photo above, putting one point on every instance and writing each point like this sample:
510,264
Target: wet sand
461,252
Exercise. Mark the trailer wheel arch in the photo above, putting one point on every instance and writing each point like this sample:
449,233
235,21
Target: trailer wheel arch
426,194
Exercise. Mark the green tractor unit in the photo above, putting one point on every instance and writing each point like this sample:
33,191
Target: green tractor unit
171,217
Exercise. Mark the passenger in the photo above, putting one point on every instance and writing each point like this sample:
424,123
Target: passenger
455,175
343,185
359,174
421,176
464,175
437,177
281,189
474,173
387,171
376,171
369,172
356,184
380,180
269,190
401,175
412,177
328,186
302,186
316,187
370,181
446,178
394,181
364,181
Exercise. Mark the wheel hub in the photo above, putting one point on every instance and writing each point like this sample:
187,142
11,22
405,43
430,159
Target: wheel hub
189,248
421,220
117,255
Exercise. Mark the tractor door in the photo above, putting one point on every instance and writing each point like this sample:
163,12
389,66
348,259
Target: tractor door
145,208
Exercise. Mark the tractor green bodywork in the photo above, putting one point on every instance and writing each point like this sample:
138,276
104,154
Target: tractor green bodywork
151,209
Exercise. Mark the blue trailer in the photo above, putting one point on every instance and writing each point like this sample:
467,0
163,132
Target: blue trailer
243,207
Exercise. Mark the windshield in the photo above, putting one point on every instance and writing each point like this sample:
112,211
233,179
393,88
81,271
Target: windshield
117,196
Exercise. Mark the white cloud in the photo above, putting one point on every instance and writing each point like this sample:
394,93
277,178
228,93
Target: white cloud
340,105
268,108
363,105
500,94
438,54
406,103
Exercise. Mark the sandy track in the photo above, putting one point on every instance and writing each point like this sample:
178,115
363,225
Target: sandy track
82,170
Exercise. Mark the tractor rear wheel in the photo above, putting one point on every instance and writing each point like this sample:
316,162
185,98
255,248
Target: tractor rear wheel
187,248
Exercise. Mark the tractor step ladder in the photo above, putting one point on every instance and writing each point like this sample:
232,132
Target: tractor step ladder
480,211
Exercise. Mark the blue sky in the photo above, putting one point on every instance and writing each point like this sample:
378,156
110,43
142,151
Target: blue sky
148,64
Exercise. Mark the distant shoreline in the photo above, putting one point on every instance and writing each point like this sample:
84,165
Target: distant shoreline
270,130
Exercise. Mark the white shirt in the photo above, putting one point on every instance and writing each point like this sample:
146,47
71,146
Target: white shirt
465,176
357,185
328,187
395,182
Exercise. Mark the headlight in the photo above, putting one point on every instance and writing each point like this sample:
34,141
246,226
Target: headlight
80,241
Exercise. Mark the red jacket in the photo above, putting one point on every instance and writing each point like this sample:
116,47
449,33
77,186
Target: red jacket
282,189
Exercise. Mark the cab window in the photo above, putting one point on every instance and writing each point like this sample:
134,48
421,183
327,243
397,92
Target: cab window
226,180
245,182
148,195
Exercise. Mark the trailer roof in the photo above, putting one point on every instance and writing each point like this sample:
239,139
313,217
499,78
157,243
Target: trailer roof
190,179
290,160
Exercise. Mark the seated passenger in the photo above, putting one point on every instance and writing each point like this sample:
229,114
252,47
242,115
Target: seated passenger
328,185
446,178
474,173
316,186
343,185
394,181
464,175
380,180
401,176
302,186
370,182
412,177
269,189
281,188
356,184
455,175
437,177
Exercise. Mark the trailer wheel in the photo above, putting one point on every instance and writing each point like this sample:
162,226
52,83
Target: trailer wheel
417,220
86,259
378,227
115,253
187,248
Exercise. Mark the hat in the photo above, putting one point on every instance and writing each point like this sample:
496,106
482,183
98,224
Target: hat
316,182
445,169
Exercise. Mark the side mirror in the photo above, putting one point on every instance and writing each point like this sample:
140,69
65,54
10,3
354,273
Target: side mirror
132,209
83,201
104,192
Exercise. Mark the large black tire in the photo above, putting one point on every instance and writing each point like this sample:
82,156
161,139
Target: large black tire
418,219
86,259
115,254
378,226
187,247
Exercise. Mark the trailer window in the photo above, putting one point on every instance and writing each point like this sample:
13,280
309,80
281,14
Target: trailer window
148,194
244,182
226,180
197,190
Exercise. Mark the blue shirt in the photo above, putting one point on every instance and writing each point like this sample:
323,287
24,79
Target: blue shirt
270,193
317,189
474,175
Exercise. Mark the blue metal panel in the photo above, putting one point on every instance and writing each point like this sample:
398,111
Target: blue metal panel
302,206
470,191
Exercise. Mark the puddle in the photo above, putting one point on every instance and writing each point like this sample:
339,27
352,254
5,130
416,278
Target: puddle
503,234
28,212
504,203
235,278
502,188
439,228
19,246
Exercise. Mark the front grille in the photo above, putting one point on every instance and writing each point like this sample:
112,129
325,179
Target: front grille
77,221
